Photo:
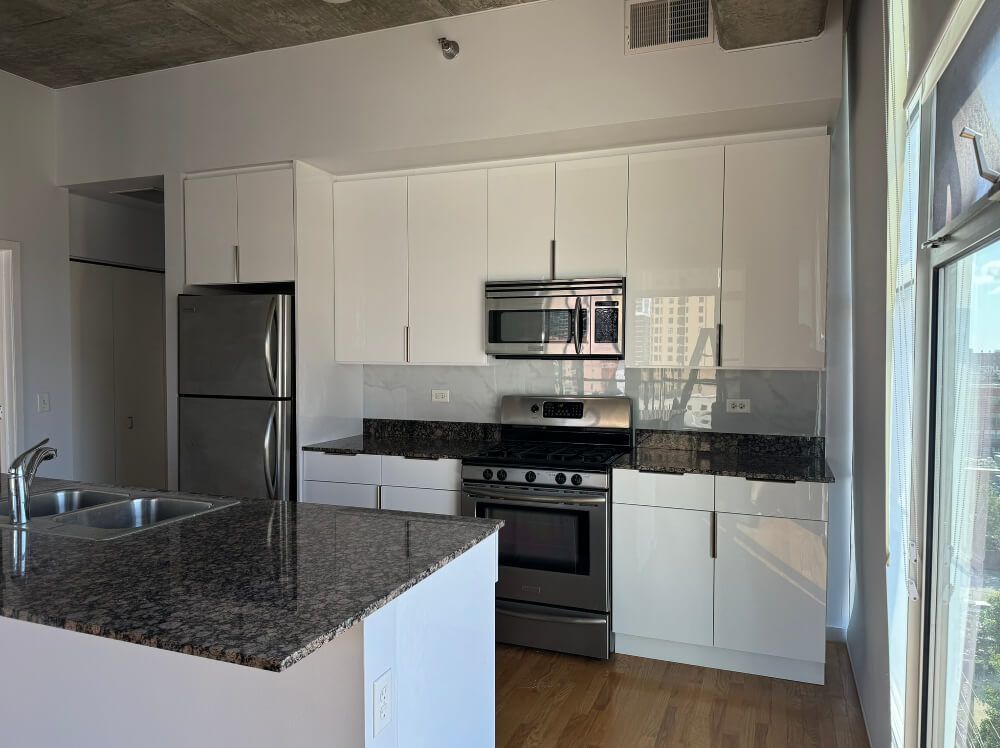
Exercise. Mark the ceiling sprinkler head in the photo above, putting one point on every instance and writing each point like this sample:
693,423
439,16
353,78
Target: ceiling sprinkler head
449,48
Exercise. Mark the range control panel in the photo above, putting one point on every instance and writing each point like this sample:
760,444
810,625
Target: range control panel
562,409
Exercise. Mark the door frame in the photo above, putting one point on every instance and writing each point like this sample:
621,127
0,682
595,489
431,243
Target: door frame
10,349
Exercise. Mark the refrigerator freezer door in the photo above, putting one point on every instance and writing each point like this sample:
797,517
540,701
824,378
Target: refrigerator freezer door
235,345
236,448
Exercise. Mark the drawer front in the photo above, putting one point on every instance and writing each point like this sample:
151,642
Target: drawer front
659,489
429,500
797,500
410,473
340,494
342,468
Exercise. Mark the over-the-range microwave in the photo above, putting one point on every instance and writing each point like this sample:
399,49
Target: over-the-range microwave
556,318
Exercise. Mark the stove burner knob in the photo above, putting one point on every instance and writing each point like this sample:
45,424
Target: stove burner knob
501,474
487,474
561,478
577,479
530,476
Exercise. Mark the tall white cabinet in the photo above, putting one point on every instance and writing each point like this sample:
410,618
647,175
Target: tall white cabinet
521,221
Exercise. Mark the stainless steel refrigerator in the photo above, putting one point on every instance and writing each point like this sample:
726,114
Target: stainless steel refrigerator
236,386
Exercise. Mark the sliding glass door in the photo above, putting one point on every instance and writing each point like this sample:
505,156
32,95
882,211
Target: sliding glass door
965,617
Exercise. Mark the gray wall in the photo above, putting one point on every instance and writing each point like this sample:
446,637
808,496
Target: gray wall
867,635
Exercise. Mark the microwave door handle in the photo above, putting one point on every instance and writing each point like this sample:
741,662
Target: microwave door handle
578,325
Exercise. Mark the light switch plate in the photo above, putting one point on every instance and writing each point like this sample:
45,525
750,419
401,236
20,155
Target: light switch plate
736,405
382,702
440,396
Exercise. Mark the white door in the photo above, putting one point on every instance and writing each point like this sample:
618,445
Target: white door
266,226
770,586
139,377
674,257
210,236
774,254
358,495
447,238
92,346
426,500
521,222
370,270
662,569
591,216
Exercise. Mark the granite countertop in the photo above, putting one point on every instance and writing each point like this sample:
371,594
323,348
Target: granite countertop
400,446
259,583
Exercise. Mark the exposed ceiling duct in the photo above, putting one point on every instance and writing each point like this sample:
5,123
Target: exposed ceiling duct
740,24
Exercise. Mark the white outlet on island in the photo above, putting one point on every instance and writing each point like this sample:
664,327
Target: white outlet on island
440,396
382,702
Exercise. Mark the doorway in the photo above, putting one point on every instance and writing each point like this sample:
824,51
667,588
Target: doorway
9,363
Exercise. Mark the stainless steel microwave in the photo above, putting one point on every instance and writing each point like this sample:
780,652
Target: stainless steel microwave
556,319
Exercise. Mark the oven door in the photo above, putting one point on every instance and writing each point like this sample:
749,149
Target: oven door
536,326
553,545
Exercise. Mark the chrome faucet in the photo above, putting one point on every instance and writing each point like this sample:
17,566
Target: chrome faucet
22,473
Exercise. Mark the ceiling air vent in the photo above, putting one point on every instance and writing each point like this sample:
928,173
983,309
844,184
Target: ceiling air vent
663,24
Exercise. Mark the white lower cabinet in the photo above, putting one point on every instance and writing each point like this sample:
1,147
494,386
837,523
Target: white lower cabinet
427,500
359,495
770,586
662,573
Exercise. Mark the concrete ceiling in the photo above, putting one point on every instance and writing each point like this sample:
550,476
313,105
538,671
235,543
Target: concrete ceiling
63,43
753,23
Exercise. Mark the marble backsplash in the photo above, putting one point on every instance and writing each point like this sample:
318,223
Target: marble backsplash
782,402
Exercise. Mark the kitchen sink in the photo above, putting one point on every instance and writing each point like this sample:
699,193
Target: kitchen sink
136,513
60,502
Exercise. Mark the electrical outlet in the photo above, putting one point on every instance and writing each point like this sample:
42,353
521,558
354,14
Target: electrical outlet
44,406
382,702
738,405
440,396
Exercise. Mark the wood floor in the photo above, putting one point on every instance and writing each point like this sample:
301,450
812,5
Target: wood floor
546,699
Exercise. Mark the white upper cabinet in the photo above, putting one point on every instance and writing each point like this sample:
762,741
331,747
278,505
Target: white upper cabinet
266,226
521,221
447,237
370,270
770,586
240,228
210,229
591,215
774,254
674,257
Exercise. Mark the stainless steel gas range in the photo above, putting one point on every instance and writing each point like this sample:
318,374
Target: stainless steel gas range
549,479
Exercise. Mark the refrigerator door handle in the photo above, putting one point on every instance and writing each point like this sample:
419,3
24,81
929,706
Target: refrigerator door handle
272,325
270,435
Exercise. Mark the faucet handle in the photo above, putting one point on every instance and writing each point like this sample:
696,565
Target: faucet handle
21,458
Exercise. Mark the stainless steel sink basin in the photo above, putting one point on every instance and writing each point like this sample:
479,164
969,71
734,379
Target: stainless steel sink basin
136,513
60,502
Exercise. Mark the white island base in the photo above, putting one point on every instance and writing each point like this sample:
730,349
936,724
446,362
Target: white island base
62,688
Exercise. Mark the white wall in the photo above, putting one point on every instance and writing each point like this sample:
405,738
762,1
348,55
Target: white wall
101,230
867,635
34,212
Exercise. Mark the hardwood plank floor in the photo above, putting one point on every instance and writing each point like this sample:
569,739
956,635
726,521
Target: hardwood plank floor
546,699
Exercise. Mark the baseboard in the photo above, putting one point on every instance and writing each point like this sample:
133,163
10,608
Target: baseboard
804,671
836,634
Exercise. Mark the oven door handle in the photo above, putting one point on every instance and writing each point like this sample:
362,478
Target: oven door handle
574,500
547,617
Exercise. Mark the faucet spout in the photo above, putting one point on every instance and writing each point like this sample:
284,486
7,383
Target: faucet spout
22,473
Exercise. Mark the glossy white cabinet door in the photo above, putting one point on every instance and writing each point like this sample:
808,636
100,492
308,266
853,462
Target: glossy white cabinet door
770,586
427,500
266,225
210,236
591,216
688,491
447,233
416,473
774,254
662,571
795,500
370,270
674,257
521,221
357,495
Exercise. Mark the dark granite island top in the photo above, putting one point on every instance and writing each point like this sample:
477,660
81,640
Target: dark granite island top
259,583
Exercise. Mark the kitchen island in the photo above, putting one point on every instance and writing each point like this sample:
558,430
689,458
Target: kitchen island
260,623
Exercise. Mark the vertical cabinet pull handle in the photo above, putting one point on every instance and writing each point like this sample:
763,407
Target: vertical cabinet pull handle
236,263
718,344
552,259
714,536
406,343
378,497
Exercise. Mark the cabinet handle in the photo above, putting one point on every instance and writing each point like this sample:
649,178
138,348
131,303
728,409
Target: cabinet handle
714,536
378,497
552,259
236,263
718,344
406,344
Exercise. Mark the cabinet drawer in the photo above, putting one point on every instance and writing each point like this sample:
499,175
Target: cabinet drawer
797,500
340,494
403,471
342,468
429,500
659,489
